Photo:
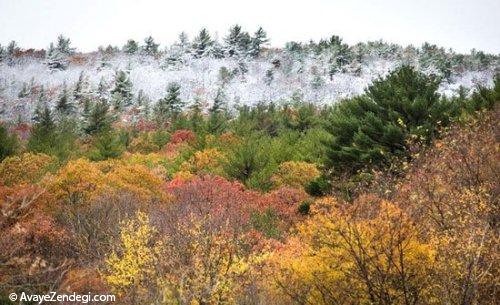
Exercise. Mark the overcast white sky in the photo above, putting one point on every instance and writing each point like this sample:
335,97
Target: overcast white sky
459,24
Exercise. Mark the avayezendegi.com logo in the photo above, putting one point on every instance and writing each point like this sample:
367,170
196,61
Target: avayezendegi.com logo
56,297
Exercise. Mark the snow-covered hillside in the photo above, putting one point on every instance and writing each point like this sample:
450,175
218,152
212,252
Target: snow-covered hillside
275,75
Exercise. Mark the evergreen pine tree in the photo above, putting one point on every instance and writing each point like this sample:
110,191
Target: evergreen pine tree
98,118
41,102
64,104
43,135
80,87
202,43
131,47
184,41
196,120
3,53
238,41
55,59
107,146
217,113
258,40
63,45
12,48
373,128
150,47
102,90
122,92
170,106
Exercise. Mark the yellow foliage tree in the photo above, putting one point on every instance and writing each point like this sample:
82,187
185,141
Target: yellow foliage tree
203,266
207,161
25,168
76,182
360,255
153,161
130,270
295,174
137,179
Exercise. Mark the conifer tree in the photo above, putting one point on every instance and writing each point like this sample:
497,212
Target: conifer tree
12,48
259,39
150,47
102,90
170,106
98,119
3,53
202,43
373,128
196,120
55,59
184,41
44,131
64,104
80,87
107,146
41,102
131,47
238,41
217,113
122,92
63,45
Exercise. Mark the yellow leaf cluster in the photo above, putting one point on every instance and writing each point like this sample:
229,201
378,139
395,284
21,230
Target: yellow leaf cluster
137,179
76,182
131,266
340,256
295,174
209,160
25,168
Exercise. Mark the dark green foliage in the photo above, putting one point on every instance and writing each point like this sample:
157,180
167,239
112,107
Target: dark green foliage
107,146
131,47
122,92
238,42
169,107
80,87
51,138
301,117
484,98
63,45
150,47
195,115
218,113
98,119
160,138
304,207
12,48
258,40
8,143
202,43
64,104
371,129
318,187
247,158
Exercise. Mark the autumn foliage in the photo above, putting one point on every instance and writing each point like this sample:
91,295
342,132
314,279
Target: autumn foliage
191,218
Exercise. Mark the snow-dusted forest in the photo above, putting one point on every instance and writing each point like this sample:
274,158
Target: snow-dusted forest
240,69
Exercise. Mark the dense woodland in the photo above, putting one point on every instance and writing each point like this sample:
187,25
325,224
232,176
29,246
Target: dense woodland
387,197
